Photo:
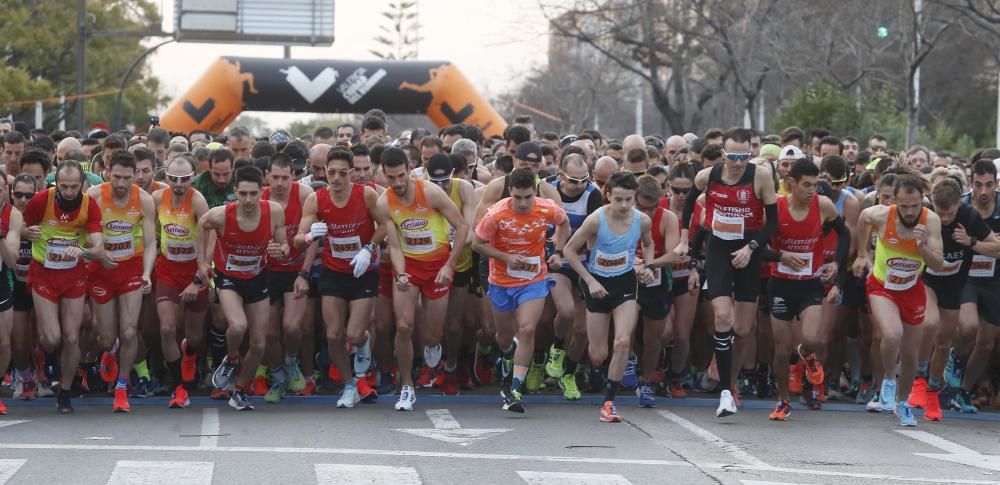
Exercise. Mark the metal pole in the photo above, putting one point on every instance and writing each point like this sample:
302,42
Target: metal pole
62,111
116,119
998,110
638,113
81,64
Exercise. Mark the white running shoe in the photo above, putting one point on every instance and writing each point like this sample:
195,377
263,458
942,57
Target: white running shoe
406,399
350,396
432,355
363,357
726,404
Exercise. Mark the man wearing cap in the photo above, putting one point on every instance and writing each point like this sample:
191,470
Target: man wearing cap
789,154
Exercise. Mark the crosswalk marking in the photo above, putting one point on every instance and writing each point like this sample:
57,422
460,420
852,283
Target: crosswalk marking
327,474
162,473
12,422
556,478
8,468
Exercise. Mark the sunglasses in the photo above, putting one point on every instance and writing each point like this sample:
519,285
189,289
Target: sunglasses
738,157
839,182
178,179
638,174
574,180
23,195
343,172
679,191
442,179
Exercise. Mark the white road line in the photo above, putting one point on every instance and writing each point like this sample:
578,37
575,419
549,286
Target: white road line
12,422
442,419
366,475
555,478
8,468
730,449
209,428
161,473
938,442
759,482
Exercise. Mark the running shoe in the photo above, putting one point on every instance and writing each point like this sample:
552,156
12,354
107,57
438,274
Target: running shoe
813,368
631,377
350,396
535,380
781,412
179,399
258,386
189,363
569,389
432,355
506,367
511,400
240,402
45,389
406,399
888,394
386,386
875,405
225,374
3,409
365,391
727,406
905,414
796,373
143,388
450,384
962,402
763,382
63,404
595,379
363,357
821,392
810,397
736,399
296,381
333,373
309,390
646,397
482,371
865,393
426,377
954,369
220,394
932,406
918,394
554,366
109,368
676,389
609,413
121,402
275,393
27,390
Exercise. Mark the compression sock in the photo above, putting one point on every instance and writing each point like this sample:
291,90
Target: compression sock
569,365
724,358
122,382
217,341
559,343
923,369
142,370
610,388
175,371
520,372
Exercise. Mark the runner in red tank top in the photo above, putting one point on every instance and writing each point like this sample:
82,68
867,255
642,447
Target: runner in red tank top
10,242
655,298
342,217
795,289
289,283
686,285
245,234
740,212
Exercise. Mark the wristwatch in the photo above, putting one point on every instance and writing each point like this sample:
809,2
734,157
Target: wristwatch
197,281
973,241
304,275
753,245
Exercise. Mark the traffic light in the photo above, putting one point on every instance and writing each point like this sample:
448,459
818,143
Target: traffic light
882,32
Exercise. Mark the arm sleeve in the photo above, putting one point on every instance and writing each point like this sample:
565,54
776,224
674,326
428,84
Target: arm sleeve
843,248
698,240
594,201
770,225
768,254
689,203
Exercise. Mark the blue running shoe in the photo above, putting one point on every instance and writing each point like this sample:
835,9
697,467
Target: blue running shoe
962,403
905,414
646,398
954,369
631,379
888,394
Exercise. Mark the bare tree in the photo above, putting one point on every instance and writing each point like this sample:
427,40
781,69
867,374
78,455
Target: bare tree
401,38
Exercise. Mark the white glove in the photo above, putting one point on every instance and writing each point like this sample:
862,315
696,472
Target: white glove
361,262
317,231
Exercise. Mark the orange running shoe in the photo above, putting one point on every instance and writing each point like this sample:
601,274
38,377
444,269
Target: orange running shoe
365,391
221,395
109,368
821,392
438,379
918,394
121,401
3,409
796,372
781,412
932,406
736,398
449,384
334,374
609,413
309,390
372,377
189,363
813,368
28,390
676,389
258,387
426,377
180,399
482,372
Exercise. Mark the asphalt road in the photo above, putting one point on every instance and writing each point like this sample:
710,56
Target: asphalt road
468,439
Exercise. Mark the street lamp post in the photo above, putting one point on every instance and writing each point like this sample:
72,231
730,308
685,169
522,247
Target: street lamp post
116,120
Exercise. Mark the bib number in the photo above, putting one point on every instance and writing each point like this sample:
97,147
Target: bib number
418,242
982,266
612,263
682,269
947,269
55,257
344,247
119,247
805,271
243,264
657,278
527,270
181,251
728,228
897,280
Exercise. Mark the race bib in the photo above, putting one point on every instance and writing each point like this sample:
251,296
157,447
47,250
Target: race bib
982,266
526,270
729,228
21,272
657,278
119,247
681,269
55,256
418,242
243,264
344,247
181,251
805,271
949,268
612,263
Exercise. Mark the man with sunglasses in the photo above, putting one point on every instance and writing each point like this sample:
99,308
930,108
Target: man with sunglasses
178,209
23,337
343,216
741,213
11,224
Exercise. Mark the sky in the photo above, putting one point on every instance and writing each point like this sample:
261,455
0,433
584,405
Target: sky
493,42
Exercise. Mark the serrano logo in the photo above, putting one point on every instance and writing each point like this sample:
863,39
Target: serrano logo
119,226
176,230
903,264
413,224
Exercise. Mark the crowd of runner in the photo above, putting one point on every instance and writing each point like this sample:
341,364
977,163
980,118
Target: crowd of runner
369,263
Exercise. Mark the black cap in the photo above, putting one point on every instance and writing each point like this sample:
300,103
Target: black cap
529,152
298,164
438,166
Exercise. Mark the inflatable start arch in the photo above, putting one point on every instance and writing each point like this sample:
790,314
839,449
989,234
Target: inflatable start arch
234,84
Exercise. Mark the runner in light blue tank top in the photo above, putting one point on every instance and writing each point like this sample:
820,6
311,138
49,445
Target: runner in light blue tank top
613,255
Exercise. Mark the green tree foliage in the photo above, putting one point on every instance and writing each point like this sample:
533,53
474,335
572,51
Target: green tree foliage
39,48
825,106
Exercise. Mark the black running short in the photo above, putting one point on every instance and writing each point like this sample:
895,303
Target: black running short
6,289
986,295
22,297
723,279
948,290
787,298
346,286
279,283
250,290
621,288
655,301
462,279
854,294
